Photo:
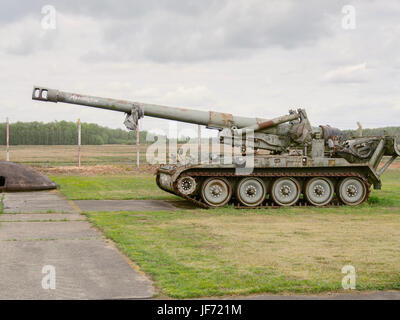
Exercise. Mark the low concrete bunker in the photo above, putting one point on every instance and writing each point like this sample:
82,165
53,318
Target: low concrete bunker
17,177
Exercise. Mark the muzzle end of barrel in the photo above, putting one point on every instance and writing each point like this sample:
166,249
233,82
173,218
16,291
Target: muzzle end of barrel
44,94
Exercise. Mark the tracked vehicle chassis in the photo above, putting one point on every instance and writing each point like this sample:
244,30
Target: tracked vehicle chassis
299,177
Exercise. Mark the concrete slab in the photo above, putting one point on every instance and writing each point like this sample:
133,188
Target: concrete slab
89,269
124,205
41,217
54,202
86,265
47,230
37,201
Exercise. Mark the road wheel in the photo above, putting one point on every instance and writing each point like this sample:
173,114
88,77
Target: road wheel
285,191
319,191
216,192
251,191
352,191
186,185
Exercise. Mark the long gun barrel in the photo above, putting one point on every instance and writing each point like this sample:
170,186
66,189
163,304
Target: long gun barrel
314,161
211,119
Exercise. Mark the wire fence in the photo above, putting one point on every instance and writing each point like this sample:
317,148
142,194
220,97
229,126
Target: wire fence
67,155
61,155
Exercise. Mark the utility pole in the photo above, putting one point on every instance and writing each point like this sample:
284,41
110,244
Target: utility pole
79,142
7,140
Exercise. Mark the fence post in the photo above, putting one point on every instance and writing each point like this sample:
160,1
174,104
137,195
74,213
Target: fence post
79,142
360,129
7,140
137,145
199,143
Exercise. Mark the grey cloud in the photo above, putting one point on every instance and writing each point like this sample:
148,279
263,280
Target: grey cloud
17,9
122,9
348,74
244,57
189,31
371,118
216,30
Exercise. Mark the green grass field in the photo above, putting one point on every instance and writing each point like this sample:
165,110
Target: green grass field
111,187
143,186
195,253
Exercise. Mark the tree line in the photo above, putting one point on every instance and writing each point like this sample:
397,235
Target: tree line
390,131
65,133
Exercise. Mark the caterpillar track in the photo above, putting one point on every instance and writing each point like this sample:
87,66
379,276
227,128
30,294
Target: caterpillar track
268,180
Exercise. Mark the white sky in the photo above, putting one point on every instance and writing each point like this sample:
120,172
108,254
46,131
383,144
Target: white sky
247,57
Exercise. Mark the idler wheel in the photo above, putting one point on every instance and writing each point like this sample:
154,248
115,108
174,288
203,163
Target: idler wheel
186,185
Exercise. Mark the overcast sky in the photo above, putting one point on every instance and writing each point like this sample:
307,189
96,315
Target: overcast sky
247,57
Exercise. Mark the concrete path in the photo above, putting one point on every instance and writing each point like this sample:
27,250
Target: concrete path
124,205
86,265
52,202
36,202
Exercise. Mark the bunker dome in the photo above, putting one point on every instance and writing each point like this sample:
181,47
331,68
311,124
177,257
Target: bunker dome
17,177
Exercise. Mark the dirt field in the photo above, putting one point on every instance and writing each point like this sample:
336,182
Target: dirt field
103,155
95,170
68,155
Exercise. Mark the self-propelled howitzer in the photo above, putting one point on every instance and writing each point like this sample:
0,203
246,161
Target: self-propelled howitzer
304,165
